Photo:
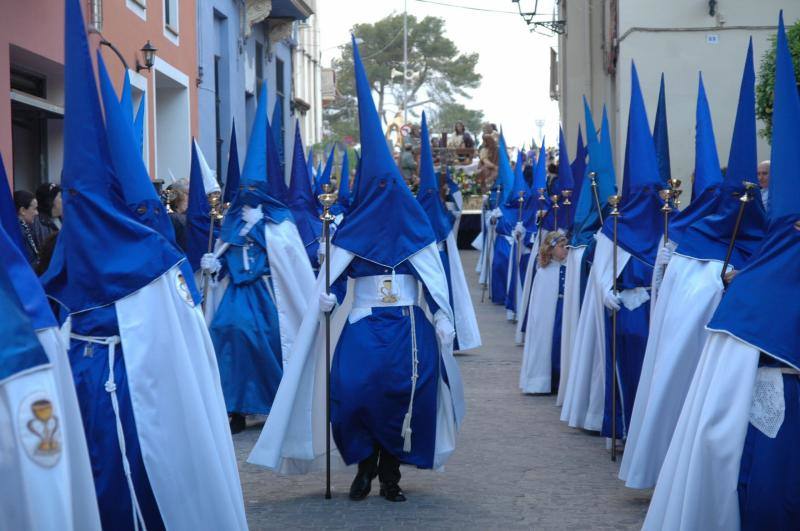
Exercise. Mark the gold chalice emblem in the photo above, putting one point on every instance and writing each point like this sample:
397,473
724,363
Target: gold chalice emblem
386,291
44,426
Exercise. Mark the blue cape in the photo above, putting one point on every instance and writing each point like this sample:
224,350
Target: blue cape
8,210
20,349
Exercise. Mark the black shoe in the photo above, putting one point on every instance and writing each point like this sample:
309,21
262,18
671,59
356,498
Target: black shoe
237,423
361,486
392,492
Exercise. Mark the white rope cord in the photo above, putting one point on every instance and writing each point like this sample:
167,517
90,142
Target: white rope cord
406,432
111,388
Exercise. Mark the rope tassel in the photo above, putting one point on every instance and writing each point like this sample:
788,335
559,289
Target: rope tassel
406,431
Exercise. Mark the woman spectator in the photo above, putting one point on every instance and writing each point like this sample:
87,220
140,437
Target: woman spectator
48,222
178,203
27,209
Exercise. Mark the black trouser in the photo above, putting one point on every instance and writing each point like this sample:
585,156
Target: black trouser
382,464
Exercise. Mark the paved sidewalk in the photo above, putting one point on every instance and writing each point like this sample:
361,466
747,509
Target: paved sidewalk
516,466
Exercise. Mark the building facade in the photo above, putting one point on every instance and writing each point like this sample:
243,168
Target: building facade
679,38
32,81
240,46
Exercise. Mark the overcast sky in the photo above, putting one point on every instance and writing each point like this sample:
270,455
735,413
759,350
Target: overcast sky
514,63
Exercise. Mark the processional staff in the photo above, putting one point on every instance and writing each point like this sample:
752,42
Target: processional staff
214,215
327,199
614,202
745,198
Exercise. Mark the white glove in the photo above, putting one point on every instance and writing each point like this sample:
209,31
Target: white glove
664,255
321,252
495,214
210,263
326,301
611,301
519,231
252,215
445,331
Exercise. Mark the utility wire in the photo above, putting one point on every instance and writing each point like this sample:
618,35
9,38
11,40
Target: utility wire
468,7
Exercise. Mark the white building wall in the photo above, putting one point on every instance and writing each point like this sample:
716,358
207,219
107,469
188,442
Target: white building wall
678,38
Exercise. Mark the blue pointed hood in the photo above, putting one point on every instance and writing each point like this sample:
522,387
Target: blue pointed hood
276,180
310,164
129,170
564,181
125,100
102,253
640,225
138,126
709,237
343,197
708,175
755,308
601,161
505,174
706,161
302,202
585,204
578,167
661,135
198,212
233,173
21,349
325,177
254,189
8,211
428,195
277,134
386,224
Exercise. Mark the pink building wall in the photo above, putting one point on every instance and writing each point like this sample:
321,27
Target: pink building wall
37,26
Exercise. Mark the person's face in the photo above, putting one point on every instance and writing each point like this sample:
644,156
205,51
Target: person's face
459,128
57,206
763,175
29,214
182,203
560,251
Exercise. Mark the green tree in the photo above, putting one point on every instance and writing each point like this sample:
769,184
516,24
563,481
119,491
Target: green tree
440,72
765,95
445,117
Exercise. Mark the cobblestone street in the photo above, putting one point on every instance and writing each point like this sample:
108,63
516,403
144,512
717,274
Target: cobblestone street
516,466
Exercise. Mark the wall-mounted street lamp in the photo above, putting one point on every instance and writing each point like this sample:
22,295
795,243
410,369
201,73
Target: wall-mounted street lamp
528,15
149,56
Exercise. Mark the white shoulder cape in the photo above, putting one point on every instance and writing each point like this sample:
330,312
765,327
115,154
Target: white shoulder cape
536,372
466,324
49,492
570,315
584,397
688,297
697,486
292,280
293,438
179,408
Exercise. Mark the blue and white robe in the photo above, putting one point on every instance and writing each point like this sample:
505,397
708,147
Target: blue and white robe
541,359
293,439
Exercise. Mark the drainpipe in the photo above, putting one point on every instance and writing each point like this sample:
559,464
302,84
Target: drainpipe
96,11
